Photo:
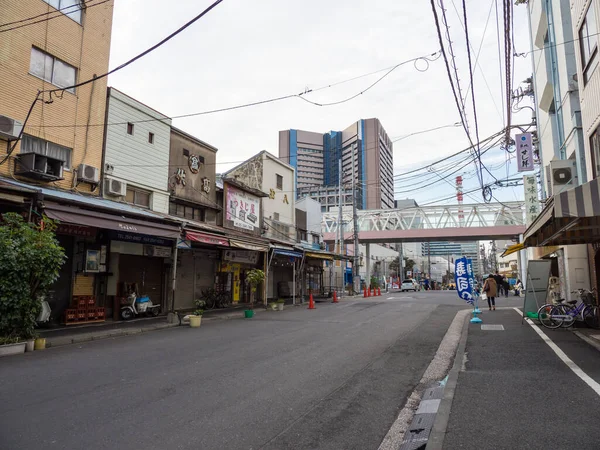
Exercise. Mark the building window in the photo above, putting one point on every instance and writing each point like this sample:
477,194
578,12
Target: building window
595,146
187,212
138,197
129,128
51,69
30,144
70,8
276,216
151,138
279,181
315,239
588,41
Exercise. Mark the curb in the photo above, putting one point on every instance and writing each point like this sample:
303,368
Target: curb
87,337
592,341
440,425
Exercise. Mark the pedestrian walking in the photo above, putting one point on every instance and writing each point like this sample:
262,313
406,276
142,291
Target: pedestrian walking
499,282
505,286
491,291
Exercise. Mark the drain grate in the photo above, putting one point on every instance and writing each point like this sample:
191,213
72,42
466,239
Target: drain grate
492,327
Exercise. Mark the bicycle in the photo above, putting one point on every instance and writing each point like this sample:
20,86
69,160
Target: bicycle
564,315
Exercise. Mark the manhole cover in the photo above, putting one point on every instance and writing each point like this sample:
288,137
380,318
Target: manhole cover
492,327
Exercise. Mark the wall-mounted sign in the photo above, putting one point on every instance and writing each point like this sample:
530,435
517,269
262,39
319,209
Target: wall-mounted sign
180,176
194,163
243,209
285,199
92,261
272,194
206,185
524,152
75,230
157,251
241,256
139,238
532,205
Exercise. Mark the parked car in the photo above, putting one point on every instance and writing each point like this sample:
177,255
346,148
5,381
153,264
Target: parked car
408,285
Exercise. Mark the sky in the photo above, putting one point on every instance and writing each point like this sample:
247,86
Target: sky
248,51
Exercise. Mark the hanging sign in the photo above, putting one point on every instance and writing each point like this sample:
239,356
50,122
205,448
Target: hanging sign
524,152
463,276
532,205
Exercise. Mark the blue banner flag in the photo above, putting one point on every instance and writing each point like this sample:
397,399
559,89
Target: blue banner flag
463,276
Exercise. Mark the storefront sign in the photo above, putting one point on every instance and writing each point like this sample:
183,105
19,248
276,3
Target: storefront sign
139,238
157,251
241,256
243,209
524,152
76,230
207,238
532,205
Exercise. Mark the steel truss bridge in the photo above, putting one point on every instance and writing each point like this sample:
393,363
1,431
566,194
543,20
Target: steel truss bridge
469,222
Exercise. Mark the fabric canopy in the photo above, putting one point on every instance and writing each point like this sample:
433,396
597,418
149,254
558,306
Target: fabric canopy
320,256
570,217
207,238
68,214
247,245
293,254
513,249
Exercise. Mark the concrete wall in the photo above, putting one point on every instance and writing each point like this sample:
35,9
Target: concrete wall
84,47
127,152
282,202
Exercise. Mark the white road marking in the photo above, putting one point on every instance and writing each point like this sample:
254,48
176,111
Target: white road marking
568,361
391,298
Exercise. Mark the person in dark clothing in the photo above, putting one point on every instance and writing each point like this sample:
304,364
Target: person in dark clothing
499,282
490,289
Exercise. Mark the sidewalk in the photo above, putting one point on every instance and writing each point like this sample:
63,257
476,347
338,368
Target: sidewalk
84,333
514,391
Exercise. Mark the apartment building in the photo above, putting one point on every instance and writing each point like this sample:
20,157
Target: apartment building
70,47
366,153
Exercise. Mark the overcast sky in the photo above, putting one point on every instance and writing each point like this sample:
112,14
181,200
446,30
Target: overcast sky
245,51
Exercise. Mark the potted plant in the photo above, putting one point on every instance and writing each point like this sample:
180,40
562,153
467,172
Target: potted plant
273,306
196,318
11,346
254,278
30,259
280,304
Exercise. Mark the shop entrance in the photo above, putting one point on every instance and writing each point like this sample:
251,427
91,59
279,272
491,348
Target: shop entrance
146,273
59,297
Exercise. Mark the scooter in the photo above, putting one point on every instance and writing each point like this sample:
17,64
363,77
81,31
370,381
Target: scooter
138,306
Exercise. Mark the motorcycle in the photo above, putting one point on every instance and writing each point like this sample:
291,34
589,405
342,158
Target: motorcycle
138,306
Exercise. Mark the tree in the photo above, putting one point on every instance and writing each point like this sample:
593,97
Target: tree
408,264
30,259
254,278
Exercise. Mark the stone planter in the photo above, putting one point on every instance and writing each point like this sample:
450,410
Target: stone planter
195,321
30,345
280,306
12,349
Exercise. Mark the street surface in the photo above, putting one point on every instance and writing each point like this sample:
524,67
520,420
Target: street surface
331,378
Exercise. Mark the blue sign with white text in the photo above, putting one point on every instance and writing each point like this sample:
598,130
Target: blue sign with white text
463,276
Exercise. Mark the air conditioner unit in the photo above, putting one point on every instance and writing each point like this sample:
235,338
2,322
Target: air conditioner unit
563,175
10,128
88,174
115,187
39,167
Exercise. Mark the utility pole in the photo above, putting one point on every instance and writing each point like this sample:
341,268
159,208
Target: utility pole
356,260
429,260
400,264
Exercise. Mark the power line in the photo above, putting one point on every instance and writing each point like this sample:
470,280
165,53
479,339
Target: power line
50,15
256,103
456,124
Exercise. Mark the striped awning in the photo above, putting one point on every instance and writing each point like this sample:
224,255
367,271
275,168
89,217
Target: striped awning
570,217
581,201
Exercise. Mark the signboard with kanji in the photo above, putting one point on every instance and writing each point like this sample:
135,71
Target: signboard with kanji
532,204
463,276
524,152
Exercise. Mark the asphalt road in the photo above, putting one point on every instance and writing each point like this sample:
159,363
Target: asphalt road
331,378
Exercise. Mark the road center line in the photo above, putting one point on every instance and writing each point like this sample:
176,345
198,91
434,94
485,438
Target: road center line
562,355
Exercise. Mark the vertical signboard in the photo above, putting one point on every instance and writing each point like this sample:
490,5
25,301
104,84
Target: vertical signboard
524,152
463,276
532,204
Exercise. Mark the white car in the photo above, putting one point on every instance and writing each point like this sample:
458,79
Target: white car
408,285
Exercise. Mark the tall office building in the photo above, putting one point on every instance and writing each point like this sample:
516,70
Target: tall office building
452,250
367,157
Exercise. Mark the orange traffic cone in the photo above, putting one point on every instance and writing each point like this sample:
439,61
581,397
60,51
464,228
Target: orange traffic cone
311,302
365,292
369,291
335,300
379,292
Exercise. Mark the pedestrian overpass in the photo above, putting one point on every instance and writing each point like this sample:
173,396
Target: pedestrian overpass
468,222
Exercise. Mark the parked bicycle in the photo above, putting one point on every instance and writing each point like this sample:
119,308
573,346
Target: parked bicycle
566,313
214,299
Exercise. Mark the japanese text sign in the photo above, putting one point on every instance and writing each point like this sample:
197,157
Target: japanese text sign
463,276
524,152
532,204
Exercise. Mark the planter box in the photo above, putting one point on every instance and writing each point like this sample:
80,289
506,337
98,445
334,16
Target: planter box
280,306
12,349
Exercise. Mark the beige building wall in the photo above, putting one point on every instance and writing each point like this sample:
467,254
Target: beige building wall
85,46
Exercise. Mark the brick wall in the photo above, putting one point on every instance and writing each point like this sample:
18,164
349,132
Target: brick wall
86,47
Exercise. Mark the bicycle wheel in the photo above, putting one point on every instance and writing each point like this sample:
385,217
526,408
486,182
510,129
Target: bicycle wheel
545,314
209,299
566,310
590,316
